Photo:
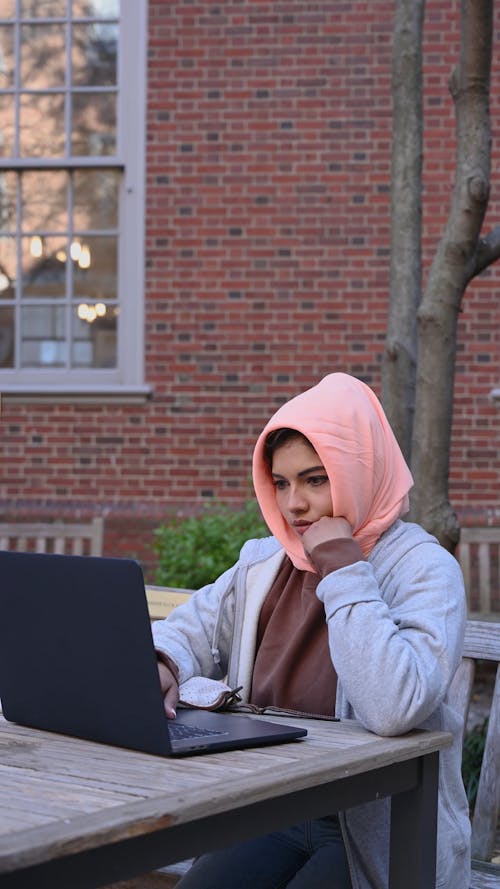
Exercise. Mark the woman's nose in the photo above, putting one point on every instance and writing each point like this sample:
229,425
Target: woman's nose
296,500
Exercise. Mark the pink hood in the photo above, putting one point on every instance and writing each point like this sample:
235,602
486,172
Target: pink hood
345,423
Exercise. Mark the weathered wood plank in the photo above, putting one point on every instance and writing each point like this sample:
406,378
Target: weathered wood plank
484,876
465,564
186,786
482,640
484,577
460,690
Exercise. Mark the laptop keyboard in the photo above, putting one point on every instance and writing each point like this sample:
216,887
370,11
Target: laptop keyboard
179,732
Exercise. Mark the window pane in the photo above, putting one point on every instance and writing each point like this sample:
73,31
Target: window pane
6,337
60,224
96,278
6,56
7,126
43,56
8,206
96,199
93,128
43,336
94,54
8,9
42,125
43,8
8,265
96,8
44,201
94,339
44,267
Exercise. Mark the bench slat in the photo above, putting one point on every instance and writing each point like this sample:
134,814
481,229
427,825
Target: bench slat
484,577
482,640
464,557
460,691
484,876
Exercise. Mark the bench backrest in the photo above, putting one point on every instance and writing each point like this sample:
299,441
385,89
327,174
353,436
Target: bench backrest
54,537
162,600
479,557
482,642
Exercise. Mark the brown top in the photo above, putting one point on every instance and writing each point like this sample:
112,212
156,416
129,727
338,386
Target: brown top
293,667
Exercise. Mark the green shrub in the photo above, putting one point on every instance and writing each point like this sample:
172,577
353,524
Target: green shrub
471,760
195,550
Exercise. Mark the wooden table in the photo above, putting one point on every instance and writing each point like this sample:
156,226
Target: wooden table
78,814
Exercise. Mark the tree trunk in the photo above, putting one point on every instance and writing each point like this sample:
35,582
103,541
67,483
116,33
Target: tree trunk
399,359
454,265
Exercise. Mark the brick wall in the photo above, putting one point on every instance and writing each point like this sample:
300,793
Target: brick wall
268,239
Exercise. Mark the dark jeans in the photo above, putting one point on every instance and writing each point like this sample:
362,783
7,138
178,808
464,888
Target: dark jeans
307,856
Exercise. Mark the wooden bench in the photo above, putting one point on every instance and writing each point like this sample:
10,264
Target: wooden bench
482,642
162,600
54,537
479,557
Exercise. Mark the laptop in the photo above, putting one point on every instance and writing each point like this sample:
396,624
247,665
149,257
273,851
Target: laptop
77,657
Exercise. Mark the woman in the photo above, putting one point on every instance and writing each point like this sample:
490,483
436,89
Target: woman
346,610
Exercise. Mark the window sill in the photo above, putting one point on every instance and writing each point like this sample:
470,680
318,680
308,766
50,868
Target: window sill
80,394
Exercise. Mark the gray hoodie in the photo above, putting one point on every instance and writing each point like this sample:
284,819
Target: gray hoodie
396,625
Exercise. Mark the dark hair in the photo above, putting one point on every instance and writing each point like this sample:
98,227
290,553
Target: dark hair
277,438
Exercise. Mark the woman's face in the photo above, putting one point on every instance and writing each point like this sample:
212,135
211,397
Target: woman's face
302,486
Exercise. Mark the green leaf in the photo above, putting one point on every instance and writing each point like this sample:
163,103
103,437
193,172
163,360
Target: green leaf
195,550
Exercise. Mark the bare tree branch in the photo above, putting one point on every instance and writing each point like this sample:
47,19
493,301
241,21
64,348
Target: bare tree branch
488,251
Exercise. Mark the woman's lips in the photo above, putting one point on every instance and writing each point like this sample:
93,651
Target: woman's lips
301,527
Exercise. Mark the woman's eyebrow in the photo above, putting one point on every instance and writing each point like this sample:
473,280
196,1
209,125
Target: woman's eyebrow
319,468
303,472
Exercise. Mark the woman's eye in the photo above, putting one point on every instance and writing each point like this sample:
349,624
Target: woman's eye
317,480
279,483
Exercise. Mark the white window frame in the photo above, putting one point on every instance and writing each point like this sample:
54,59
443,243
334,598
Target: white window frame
128,377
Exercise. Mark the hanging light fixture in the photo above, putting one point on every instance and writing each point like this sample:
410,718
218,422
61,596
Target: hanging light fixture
36,246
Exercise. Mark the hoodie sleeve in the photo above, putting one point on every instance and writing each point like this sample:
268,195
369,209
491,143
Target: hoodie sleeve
198,635
396,625
187,635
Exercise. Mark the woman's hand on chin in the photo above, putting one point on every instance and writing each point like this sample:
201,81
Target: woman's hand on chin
325,529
